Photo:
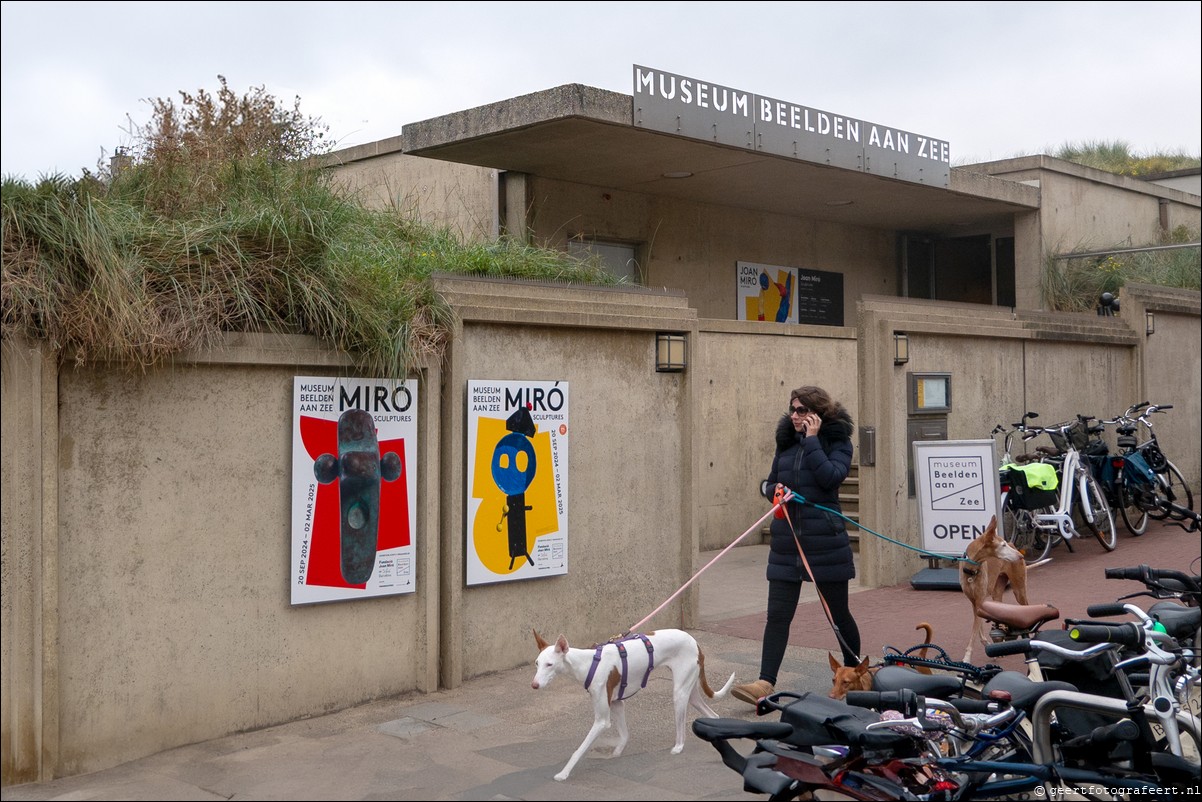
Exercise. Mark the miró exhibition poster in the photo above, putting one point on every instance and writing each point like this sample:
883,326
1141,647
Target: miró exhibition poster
517,480
354,457
766,292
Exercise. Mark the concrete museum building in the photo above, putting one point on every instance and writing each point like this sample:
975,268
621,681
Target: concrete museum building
160,528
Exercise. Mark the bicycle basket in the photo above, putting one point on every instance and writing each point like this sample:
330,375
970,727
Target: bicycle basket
1078,437
1032,485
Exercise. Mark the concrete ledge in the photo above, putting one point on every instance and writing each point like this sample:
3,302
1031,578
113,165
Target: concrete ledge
569,100
515,301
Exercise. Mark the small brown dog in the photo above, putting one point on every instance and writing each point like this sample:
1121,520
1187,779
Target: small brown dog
859,677
995,564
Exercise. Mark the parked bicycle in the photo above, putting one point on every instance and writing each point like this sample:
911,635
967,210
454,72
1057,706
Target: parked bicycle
1038,520
1169,497
1024,493
902,745
1123,474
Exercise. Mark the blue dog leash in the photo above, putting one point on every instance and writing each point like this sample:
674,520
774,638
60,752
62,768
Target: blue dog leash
800,499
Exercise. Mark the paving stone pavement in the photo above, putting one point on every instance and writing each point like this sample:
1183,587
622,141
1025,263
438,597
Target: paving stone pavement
493,738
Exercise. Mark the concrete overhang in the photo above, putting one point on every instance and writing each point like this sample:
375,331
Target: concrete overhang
586,135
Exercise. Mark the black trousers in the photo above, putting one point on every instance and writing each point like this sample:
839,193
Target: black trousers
782,604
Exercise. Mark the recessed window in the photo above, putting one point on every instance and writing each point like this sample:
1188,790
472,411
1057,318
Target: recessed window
619,258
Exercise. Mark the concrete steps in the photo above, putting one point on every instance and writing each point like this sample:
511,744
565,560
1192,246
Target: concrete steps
849,500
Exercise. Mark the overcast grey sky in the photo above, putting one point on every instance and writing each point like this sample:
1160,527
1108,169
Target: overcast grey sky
993,79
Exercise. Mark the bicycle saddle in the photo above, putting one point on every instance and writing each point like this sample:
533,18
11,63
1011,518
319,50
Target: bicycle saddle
1180,622
1017,616
1024,691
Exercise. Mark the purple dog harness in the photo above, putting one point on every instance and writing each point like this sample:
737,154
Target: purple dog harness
622,652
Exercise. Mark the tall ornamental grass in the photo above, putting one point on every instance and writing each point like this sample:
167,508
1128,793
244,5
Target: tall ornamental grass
219,222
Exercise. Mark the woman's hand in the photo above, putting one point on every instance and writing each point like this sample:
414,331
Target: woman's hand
813,422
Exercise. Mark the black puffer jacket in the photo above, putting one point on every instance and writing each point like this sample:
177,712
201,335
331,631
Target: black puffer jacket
814,468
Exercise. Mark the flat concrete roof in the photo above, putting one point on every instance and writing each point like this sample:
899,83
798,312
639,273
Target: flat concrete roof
586,135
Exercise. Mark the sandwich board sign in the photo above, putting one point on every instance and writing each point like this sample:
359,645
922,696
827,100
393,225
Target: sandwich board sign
956,486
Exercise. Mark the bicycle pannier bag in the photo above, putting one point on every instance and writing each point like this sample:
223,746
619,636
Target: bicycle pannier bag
1032,485
1137,470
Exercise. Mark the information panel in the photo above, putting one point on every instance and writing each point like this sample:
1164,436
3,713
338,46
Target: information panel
957,492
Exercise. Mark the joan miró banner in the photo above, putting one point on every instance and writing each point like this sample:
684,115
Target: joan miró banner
766,292
517,480
354,452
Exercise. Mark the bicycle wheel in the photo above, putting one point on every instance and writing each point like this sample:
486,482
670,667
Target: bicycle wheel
1102,525
1174,489
1134,516
1020,530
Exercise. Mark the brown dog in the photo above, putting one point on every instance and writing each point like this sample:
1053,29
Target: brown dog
990,566
859,677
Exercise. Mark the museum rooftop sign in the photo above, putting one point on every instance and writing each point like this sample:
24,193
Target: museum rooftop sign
675,104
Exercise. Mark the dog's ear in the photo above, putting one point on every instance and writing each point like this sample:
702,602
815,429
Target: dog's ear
538,639
862,667
561,644
835,666
991,530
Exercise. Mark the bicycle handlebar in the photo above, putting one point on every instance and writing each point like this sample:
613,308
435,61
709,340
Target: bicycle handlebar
1106,610
1020,646
1026,645
904,701
1127,634
1131,410
1154,576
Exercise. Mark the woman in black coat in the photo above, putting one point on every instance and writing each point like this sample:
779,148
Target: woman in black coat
813,457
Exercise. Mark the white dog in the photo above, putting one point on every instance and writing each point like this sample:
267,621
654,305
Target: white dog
612,672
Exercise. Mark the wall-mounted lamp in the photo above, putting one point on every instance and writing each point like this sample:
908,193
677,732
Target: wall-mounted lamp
1149,322
901,348
671,352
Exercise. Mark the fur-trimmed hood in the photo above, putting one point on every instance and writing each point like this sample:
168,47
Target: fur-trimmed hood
835,428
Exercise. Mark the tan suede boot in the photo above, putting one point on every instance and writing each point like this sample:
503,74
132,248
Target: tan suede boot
752,692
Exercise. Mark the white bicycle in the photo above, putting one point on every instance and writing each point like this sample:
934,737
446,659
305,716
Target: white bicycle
1034,520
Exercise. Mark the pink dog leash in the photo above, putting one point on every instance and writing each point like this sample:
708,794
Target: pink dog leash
719,556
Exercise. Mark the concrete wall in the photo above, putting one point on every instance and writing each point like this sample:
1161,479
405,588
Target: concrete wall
1083,208
148,605
1001,365
146,516
1171,368
749,368
1191,183
29,571
677,246
459,197
631,494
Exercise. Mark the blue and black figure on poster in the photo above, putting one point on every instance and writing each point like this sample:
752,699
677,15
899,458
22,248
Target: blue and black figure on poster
513,467
359,469
786,298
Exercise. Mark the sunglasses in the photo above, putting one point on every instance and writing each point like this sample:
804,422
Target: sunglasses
797,411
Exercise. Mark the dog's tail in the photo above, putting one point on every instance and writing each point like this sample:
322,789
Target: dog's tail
930,633
705,683
1038,563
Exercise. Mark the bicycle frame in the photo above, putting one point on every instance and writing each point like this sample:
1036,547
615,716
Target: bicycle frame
1073,479
1045,708
1008,776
